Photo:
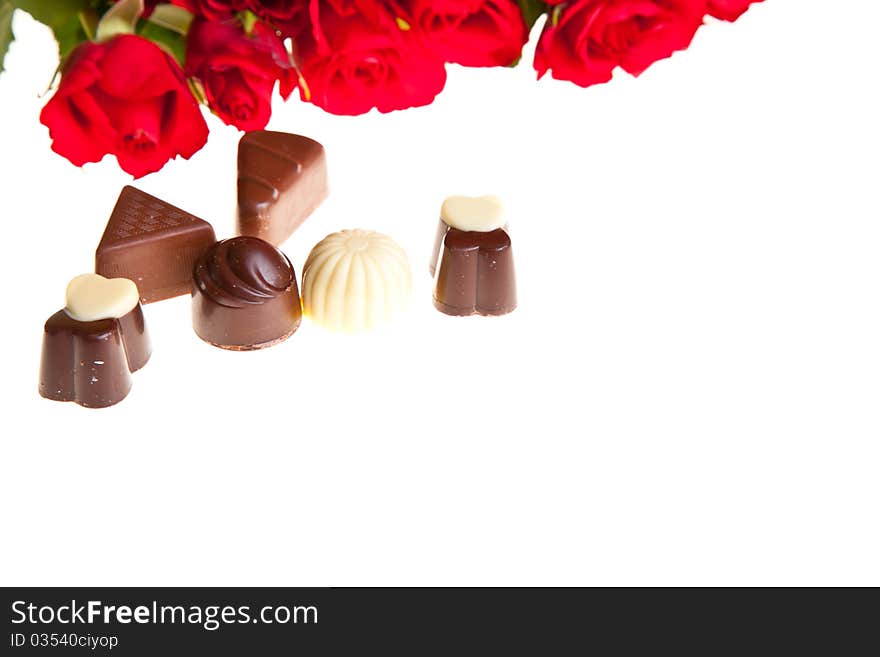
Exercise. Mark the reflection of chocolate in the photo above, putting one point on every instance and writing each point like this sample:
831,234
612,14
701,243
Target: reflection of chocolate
442,229
152,243
282,178
244,295
90,363
475,273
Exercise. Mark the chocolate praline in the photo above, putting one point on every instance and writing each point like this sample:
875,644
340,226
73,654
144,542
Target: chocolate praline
475,274
282,179
91,362
244,295
152,243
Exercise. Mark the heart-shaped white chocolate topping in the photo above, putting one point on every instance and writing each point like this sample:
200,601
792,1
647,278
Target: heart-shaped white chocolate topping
91,297
476,213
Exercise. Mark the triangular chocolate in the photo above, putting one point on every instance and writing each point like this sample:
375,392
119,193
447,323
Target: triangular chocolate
282,178
153,243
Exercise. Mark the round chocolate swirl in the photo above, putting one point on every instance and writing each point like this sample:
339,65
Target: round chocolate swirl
243,271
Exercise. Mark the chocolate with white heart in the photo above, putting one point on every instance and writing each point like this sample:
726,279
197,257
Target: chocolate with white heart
473,260
480,214
92,346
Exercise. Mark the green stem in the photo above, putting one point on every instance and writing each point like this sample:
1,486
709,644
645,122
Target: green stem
84,23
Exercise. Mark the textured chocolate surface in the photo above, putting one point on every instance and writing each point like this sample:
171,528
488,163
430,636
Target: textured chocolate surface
245,295
152,243
90,363
355,280
475,273
282,178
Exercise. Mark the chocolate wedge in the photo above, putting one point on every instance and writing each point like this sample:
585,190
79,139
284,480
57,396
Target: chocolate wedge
282,178
152,243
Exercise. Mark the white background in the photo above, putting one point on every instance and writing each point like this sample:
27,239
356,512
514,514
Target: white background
688,393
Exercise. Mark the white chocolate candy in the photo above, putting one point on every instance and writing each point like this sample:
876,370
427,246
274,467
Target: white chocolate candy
91,297
355,280
481,213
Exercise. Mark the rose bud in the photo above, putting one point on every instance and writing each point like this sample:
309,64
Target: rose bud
471,32
126,97
355,56
238,71
729,10
584,41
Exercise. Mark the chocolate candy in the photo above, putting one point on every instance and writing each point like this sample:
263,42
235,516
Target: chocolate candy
480,213
152,243
244,295
473,272
282,178
92,346
355,280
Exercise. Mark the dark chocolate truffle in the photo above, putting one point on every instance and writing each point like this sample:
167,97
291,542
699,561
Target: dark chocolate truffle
245,295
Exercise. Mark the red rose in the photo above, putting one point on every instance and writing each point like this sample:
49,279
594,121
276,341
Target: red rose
286,15
125,97
283,14
584,41
280,9
238,71
729,10
212,9
354,55
471,32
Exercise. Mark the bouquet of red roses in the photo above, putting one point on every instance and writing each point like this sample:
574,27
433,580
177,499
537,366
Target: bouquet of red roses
134,73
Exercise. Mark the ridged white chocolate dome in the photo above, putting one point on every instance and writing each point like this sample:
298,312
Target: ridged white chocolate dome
355,280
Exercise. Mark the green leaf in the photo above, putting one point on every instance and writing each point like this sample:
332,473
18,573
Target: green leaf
171,17
6,35
531,11
121,19
170,41
70,20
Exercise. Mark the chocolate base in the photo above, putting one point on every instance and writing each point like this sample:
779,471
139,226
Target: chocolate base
252,347
248,328
442,229
90,363
475,274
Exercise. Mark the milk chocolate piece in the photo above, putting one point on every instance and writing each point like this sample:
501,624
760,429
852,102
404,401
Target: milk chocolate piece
282,178
152,243
91,362
475,273
244,295
468,213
